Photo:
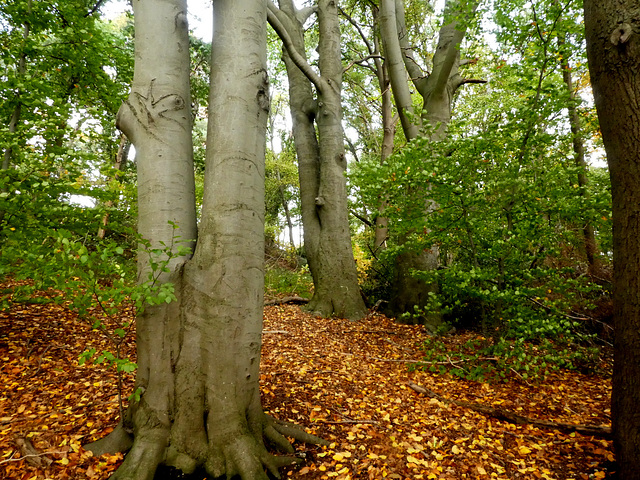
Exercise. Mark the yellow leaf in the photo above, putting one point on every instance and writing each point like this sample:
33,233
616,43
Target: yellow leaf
481,470
64,461
524,450
338,457
455,450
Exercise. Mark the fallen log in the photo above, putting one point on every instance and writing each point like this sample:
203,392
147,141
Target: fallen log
602,431
281,301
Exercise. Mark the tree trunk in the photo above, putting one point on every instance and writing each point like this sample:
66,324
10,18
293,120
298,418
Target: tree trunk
8,155
121,160
199,356
287,213
388,128
437,90
588,233
613,48
321,159
395,66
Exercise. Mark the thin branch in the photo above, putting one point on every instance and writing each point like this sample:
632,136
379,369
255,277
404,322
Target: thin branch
360,32
364,220
29,455
362,61
95,8
472,80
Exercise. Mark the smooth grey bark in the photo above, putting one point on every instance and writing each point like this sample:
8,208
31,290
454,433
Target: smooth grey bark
388,138
381,70
437,89
396,67
613,50
199,356
321,157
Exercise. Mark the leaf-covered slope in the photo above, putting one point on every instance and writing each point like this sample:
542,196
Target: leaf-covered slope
345,381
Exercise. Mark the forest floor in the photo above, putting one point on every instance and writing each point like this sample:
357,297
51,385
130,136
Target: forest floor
348,382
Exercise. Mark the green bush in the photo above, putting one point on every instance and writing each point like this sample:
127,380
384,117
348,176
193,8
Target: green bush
281,281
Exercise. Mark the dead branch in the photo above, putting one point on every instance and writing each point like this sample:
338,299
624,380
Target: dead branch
347,422
511,417
284,300
30,454
423,363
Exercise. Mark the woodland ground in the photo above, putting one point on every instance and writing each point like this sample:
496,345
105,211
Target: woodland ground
344,381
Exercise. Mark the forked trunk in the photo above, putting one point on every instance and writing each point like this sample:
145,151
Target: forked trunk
199,356
322,162
437,90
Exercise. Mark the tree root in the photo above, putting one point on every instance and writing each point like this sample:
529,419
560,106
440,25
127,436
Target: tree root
144,457
242,454
290,430
248,459
119,440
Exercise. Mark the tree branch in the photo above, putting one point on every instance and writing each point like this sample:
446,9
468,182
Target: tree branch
416,74
362,61
275,18
95,8
303,14
364,220
363,37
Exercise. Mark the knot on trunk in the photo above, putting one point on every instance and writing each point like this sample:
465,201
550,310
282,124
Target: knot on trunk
621,34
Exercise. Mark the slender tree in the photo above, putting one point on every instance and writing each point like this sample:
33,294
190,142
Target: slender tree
199,356
613,49
369,57
588,232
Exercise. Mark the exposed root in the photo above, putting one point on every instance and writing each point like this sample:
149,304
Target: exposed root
241,454
142,460
117,441
248,459
285,429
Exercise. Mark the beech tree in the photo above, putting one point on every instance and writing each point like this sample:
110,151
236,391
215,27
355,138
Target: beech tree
198,356
437,89
613,49
321,156
371,108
